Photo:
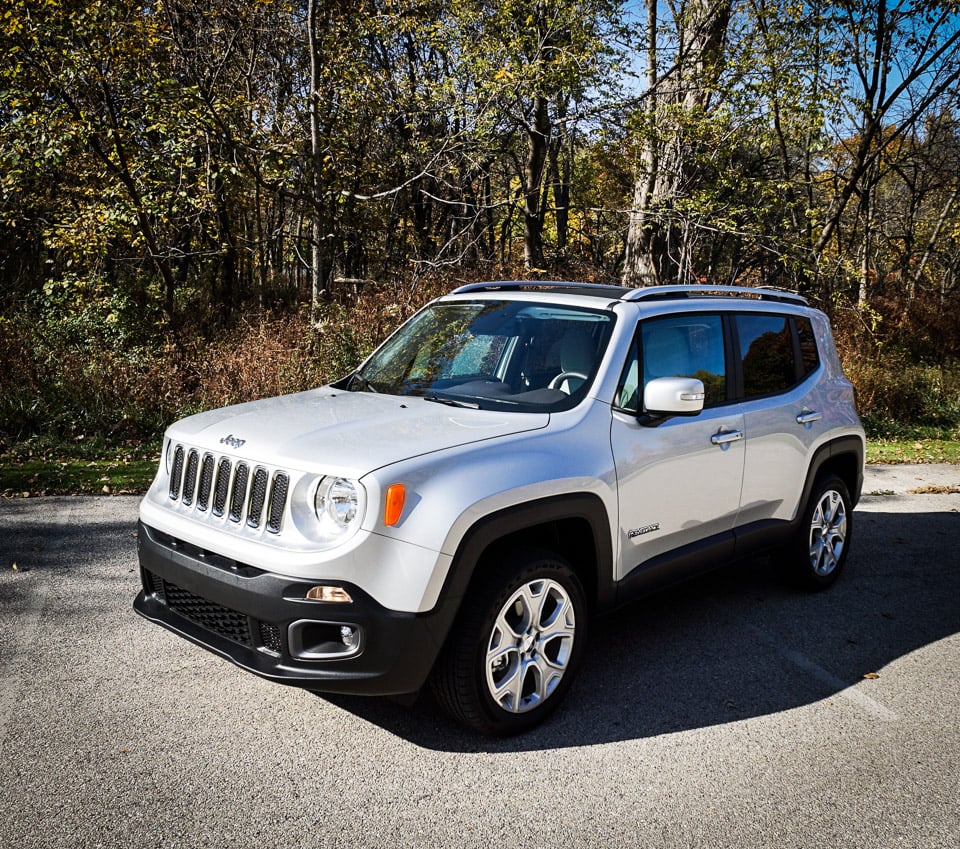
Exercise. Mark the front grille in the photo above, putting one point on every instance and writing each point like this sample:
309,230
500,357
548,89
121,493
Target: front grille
223,486
210,615
214,617
219,486
176,473
206,482
258,494
272,637
239,492
278,498
190,477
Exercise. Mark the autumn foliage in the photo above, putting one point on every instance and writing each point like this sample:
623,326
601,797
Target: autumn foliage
207,201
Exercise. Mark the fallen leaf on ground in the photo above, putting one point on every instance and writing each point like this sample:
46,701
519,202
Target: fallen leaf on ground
932,489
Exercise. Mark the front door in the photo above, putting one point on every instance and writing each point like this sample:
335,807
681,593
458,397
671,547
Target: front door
678,478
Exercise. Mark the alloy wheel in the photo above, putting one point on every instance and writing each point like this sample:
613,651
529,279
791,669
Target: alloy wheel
828,532
530,645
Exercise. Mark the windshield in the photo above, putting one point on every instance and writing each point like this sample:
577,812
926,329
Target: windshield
491,355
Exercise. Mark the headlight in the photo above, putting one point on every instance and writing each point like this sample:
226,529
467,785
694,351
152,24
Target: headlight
338,503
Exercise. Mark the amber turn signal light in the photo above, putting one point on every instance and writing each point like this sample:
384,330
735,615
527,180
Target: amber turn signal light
396,493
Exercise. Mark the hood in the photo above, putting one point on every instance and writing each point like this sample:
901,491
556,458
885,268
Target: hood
349,434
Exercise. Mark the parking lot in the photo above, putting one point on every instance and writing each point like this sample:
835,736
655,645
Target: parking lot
732,712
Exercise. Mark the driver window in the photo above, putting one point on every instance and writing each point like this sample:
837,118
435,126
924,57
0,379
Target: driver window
686,346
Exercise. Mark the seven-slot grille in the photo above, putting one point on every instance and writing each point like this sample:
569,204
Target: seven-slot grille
221,486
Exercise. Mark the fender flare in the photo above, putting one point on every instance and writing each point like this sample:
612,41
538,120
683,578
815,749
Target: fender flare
827,453
490,529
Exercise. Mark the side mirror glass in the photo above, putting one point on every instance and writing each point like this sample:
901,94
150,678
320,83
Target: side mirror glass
673,396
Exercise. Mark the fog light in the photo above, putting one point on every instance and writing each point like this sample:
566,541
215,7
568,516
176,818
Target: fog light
334,594
309,639
349,636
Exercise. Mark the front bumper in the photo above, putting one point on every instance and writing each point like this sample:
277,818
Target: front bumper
264,623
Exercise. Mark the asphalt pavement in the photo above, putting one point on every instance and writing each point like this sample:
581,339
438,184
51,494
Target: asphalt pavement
732,712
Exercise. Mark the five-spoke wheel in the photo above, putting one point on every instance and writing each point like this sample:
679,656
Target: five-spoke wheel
820,548
514,650
530,645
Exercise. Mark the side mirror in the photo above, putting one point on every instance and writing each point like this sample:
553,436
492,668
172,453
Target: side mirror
673,396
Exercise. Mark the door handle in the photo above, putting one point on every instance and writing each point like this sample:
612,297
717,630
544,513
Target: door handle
808,417
725,437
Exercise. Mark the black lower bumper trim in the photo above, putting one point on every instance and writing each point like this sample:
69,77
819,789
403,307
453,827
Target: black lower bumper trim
244,614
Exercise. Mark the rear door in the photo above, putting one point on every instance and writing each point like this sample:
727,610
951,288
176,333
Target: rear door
783,411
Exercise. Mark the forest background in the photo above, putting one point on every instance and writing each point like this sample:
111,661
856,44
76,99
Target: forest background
205,201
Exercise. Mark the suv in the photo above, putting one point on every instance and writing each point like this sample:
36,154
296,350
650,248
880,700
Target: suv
513,460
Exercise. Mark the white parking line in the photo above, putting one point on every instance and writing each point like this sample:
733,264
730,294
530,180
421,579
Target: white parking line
850,692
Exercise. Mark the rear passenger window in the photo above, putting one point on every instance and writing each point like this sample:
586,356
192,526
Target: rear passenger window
766,350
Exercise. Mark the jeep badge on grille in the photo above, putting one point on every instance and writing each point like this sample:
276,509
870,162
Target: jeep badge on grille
232,441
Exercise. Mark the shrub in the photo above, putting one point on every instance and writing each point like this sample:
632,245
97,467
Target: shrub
59,381
66,372
901,399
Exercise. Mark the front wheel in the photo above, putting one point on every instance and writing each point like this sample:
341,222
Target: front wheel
820,548
516,647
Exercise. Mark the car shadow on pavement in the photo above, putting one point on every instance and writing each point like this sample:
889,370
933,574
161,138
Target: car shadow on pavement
737,643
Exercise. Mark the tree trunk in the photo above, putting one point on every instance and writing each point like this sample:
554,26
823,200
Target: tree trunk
639,268
561,157
538,136
932,243
317,289
658,244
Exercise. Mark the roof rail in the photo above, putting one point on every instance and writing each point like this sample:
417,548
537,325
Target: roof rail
664,293
545,285
647,293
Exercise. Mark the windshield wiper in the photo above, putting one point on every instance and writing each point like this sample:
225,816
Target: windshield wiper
357,379
451,402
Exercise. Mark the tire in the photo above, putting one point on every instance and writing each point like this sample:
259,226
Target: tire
819,550
515,649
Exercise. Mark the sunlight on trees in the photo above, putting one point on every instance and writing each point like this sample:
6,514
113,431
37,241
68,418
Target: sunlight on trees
169,169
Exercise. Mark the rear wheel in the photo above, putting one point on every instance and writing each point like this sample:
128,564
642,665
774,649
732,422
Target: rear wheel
820,548
516,647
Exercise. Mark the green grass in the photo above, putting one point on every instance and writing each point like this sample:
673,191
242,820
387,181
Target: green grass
913,451
891,441
80,467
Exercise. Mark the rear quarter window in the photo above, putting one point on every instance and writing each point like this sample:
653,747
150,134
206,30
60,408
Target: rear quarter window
809,355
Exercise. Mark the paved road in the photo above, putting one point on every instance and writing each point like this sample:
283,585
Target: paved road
731,713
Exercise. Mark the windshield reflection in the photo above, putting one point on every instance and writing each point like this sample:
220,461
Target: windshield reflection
504,355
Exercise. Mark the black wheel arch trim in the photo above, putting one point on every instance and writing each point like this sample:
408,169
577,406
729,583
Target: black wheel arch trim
827,454
509,521
603,591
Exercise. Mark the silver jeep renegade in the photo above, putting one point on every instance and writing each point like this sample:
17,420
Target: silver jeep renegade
513,460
